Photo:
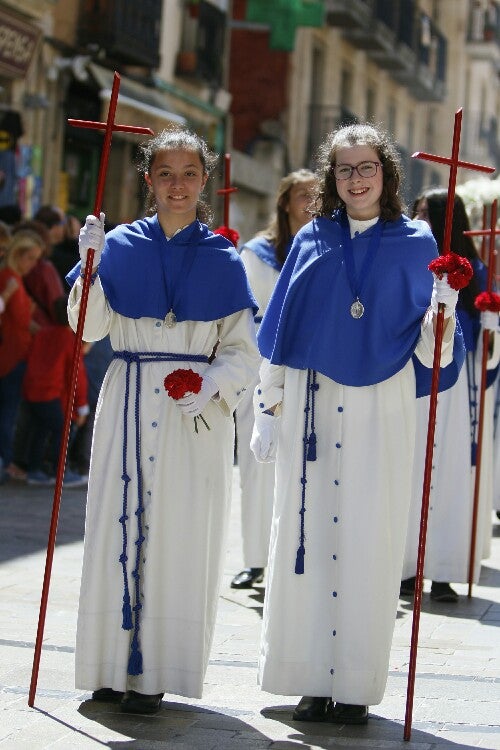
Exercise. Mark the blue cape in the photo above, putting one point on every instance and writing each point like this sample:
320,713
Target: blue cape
308,323
197,273
264,250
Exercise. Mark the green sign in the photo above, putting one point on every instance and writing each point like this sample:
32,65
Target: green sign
283,18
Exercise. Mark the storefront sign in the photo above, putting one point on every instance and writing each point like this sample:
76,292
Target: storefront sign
18,41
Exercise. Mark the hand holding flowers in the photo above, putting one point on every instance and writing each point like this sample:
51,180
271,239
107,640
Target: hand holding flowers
191,392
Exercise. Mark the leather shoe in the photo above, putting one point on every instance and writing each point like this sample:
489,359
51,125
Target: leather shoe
311,708
140,703
107,695
348,713
247,578
442,592
407,587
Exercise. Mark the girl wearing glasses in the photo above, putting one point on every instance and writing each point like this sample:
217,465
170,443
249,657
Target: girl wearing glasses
336,408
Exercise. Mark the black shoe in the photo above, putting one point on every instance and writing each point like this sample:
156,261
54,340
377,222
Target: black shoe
407,587
139,703
348,713
107,695
310,708
247,578
442,592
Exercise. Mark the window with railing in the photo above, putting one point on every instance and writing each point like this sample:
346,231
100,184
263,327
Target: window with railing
484,21
128,30
202,42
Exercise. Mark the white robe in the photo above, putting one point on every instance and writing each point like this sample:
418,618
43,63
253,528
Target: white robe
496,447
486,486
256,479
328,632
447,547
187,480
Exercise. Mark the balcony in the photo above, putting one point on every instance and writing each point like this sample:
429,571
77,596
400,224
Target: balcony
348,14
483,36
399,38
128,31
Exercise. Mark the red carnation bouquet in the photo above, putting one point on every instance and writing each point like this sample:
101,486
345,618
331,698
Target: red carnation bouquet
230,234
459,269
181,382
488,301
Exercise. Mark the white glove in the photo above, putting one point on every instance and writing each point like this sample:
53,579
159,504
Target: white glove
489,320
92,236
264,440
192,404
443,293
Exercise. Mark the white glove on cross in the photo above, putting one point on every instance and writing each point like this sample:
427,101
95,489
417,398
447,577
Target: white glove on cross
443,293
192,404
489,320
264,440
92,236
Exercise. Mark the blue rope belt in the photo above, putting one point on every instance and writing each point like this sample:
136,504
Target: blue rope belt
308,454
137,358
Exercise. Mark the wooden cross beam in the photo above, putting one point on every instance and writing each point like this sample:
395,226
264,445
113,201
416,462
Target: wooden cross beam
227,189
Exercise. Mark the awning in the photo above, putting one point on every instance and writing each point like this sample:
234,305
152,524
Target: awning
137,104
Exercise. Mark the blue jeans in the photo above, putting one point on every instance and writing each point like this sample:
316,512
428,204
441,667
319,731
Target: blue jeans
10,397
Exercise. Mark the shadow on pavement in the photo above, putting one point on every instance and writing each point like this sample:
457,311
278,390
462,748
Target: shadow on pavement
378,730
27,513
182,725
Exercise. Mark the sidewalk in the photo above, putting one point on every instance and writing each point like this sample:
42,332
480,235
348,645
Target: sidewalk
457,689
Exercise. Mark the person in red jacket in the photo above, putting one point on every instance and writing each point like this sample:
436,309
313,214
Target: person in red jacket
45,391
16,329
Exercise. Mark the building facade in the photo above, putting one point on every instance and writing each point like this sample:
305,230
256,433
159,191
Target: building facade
262,81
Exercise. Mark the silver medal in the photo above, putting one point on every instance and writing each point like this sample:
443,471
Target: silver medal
170,319
357,309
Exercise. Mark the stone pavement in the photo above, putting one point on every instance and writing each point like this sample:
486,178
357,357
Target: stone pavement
457,689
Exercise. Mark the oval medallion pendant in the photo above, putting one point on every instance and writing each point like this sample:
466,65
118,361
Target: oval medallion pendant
357,309
170,319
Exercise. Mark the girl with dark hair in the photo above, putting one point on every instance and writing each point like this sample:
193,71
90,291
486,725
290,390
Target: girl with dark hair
450,508
169,292
336,409
263,257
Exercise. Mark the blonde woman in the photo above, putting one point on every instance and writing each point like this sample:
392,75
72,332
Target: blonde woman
16,329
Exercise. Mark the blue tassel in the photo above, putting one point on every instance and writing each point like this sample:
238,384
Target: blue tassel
473,458
126,616
299,560
135,661
311,447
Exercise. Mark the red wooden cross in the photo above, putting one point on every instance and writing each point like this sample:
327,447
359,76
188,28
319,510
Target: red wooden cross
227,189
109,127
454,163
492,232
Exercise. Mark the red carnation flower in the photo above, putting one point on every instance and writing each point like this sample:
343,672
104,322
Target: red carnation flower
181,382
459,269
488,301
230,234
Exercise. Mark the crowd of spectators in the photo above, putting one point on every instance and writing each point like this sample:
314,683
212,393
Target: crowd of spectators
37,350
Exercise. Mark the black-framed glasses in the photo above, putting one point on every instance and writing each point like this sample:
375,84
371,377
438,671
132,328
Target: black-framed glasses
364,169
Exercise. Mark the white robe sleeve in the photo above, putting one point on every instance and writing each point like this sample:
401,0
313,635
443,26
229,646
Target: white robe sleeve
237,359
425,344
269,392
494,354
98,314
